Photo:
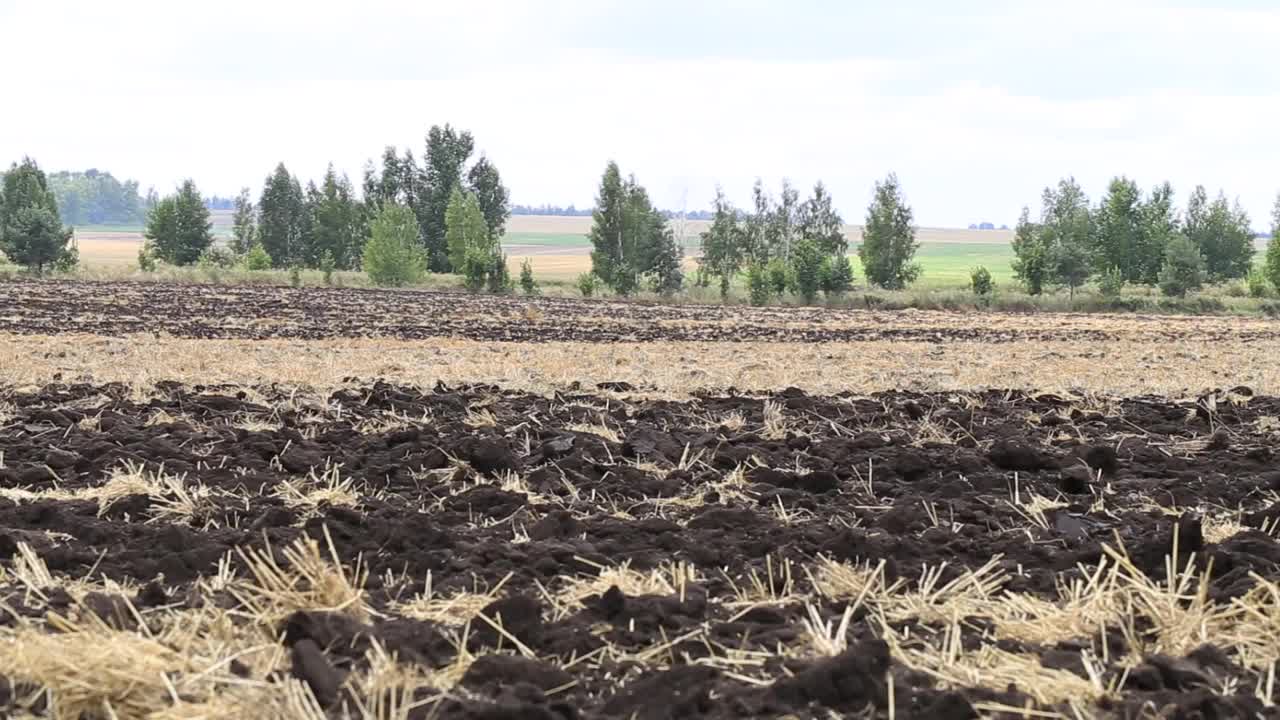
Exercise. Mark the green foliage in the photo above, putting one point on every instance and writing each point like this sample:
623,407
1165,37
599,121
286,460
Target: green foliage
1222,233
888,239
147,258
1031,257
1069,264
495,201
499,278
447,154
295,276
1184,268
806,266
818,221
178,227
257,259
466,232
980,282
836,275
1160,224
31,231
1256,282
1111,283
94,197
392,256
588,284
527,282
1271,265
214,257
1063,238
758,287
327,267
780,277
244,228
630,238
1118,231
284,225
336,226
722,245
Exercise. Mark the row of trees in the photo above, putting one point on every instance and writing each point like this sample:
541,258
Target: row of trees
1131,238
460,209
94,197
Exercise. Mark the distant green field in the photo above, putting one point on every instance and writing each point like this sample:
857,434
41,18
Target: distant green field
545,239
949,263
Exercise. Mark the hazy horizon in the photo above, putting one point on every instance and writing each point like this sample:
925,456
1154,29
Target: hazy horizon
976,109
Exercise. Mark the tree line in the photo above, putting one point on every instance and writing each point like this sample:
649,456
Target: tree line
95,197
1133,238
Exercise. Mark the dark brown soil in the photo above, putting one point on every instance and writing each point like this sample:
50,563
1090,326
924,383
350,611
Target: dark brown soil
211,311
851,478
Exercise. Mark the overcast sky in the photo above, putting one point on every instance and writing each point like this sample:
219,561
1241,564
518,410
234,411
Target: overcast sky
976,105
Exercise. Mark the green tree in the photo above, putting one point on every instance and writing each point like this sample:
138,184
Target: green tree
95,197
31,231
836,276
722,244
1066,228
783,223
889,238
818,220
1184,268
1222,233
758,289
244,224
1271,266
756,230
465,229
447,154
1031,257
630,238
178,228
1117,231
1159,225
393,256
806,264
335,223
283,225
257,258
486,185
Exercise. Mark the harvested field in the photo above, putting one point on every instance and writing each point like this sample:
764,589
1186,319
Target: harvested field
268,505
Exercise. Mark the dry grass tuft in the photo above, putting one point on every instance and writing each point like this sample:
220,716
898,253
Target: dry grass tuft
311,582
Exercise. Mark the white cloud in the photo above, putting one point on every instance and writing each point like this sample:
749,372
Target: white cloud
160,91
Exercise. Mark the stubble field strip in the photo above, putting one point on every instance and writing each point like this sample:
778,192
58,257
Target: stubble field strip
389,552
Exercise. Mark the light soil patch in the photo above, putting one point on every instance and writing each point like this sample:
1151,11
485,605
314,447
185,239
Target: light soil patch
1123,367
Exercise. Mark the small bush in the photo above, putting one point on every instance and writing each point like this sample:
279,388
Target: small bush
1257,284
216,258
1183,270
499,278
779,277
588,284
147,258
295,276
326,267
836,276
980,282
806,266
759,287
256,259
1111,283
527,283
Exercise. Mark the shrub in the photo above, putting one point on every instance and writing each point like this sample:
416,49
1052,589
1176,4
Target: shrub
779,278
392,256
588,283
1257,283
295,276
499,277
759,287
326,267
1183,270
527,283
836,276
980,282
216,257
147,258
1111,283
256,259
